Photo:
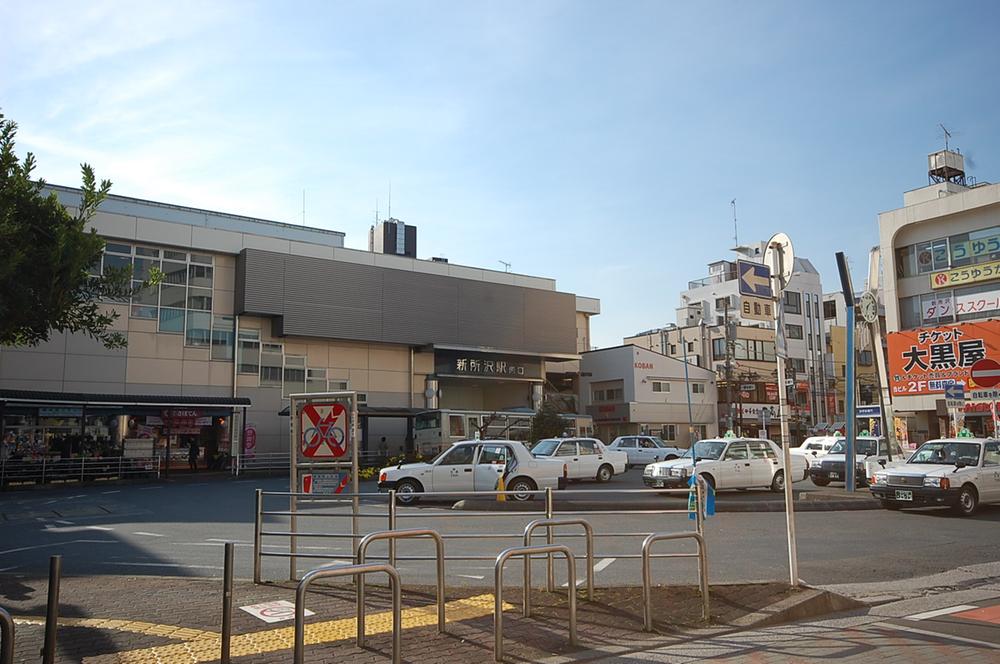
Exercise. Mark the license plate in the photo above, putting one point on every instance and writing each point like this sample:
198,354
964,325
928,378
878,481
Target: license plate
834,476
904,495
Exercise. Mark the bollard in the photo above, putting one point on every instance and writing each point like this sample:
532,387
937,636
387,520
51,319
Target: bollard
52,611
227,602
6,638
258,526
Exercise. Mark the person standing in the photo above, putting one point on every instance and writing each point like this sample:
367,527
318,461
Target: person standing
193,455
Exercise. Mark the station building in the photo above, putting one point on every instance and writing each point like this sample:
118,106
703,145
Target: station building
250,311
941,278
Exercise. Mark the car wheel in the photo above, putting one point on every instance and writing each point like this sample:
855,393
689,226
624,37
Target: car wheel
605,473
522,488
406,492
709,480
821,481
968,501
889,505
778,483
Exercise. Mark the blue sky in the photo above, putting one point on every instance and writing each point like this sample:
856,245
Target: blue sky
599,143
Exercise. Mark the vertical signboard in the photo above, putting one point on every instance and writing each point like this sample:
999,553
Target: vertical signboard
324,455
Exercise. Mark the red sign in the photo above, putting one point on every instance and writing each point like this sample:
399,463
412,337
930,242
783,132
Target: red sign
926,360
986,373
324,430
249,440
771,392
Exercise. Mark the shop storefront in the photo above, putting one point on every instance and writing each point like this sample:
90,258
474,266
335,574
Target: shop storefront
184,432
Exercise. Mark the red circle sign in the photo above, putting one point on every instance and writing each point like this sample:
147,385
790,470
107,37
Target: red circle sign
986,372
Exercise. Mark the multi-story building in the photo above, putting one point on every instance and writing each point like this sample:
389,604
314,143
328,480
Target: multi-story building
716,333
250,311
941,272
632,390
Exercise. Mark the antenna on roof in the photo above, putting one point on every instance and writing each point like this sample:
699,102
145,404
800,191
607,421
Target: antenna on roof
303,207
376,210
506,266
736,234
947,135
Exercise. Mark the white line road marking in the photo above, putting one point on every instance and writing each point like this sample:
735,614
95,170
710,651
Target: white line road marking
50,502
82,495
941,635
469,576
74,529
107,492
65,523
940,612
603,564
45,546
139,532
174,565
7,569
598,566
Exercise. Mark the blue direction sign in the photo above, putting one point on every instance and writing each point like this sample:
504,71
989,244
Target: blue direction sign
954,391
754,278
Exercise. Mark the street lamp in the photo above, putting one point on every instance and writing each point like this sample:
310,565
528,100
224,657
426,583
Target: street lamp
687,382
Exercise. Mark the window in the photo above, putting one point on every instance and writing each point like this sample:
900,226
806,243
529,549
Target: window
690,346
697,388
316,380
198,329
587,447
793,331
809,338
816,306
865,358
456,425
932,255
294,375
616,394
171,320
200,299
598,395
627,442
761,450
459,456
737,452
338,385
700,432
222,338
718,349
797,364
493,454
567,449
661,386
793,302
248,358
829,309
669,432
271,365
200,275
991,454
673,349
721,302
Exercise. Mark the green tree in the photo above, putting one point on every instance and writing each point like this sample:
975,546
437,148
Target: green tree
46,258
547,423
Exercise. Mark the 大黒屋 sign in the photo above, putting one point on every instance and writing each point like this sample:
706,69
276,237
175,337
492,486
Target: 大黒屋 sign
925,360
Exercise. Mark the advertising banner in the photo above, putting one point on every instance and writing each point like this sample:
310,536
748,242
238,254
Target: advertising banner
961,276
925,360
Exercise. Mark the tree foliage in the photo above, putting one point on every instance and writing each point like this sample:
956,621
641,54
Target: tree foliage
547,423
46,256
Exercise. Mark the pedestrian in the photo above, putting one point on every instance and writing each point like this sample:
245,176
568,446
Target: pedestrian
193,455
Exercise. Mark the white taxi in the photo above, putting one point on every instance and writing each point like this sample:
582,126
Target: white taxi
961,473
586,458
814,447
728,463
475,465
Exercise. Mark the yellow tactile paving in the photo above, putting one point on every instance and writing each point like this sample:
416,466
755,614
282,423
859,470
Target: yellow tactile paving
206,649
134,626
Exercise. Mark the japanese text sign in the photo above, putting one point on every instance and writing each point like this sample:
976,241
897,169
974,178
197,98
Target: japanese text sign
925,360
969,274
946,306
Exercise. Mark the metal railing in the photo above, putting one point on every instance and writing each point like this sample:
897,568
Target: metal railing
348,570
15,472
273,462
380,507
393,535
549,524
647,594
6,637
529,551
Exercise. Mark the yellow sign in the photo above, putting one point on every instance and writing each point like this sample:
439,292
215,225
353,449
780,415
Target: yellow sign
970,274
756,308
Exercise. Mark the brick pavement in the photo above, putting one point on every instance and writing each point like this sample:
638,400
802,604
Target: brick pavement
165,619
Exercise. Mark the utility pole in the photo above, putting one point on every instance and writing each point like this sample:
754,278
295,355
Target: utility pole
848,288
729,365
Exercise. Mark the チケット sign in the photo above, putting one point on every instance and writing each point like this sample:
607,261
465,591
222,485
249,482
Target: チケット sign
324,431
926,360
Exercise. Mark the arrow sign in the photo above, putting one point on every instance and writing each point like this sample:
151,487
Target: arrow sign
754,278
954,391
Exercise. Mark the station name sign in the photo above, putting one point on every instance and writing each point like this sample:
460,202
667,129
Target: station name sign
487,365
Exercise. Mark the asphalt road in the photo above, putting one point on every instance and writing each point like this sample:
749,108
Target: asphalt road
179,529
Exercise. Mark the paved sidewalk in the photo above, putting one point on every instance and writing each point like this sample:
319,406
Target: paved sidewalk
159,619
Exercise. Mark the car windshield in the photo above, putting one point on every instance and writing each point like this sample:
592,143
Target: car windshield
862,447
545,447
709,449
947,453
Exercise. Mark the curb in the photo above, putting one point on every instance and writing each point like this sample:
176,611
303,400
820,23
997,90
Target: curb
801,505
809,603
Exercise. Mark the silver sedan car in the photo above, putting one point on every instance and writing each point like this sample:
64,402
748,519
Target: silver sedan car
642,450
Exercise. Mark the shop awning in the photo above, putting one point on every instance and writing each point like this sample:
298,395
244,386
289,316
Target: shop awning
33,397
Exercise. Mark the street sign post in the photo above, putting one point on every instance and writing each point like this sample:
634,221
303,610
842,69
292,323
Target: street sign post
754,279
954,395
756,308
779,262
324,453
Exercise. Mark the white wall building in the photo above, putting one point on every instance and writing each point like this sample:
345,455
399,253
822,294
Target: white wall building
630,390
